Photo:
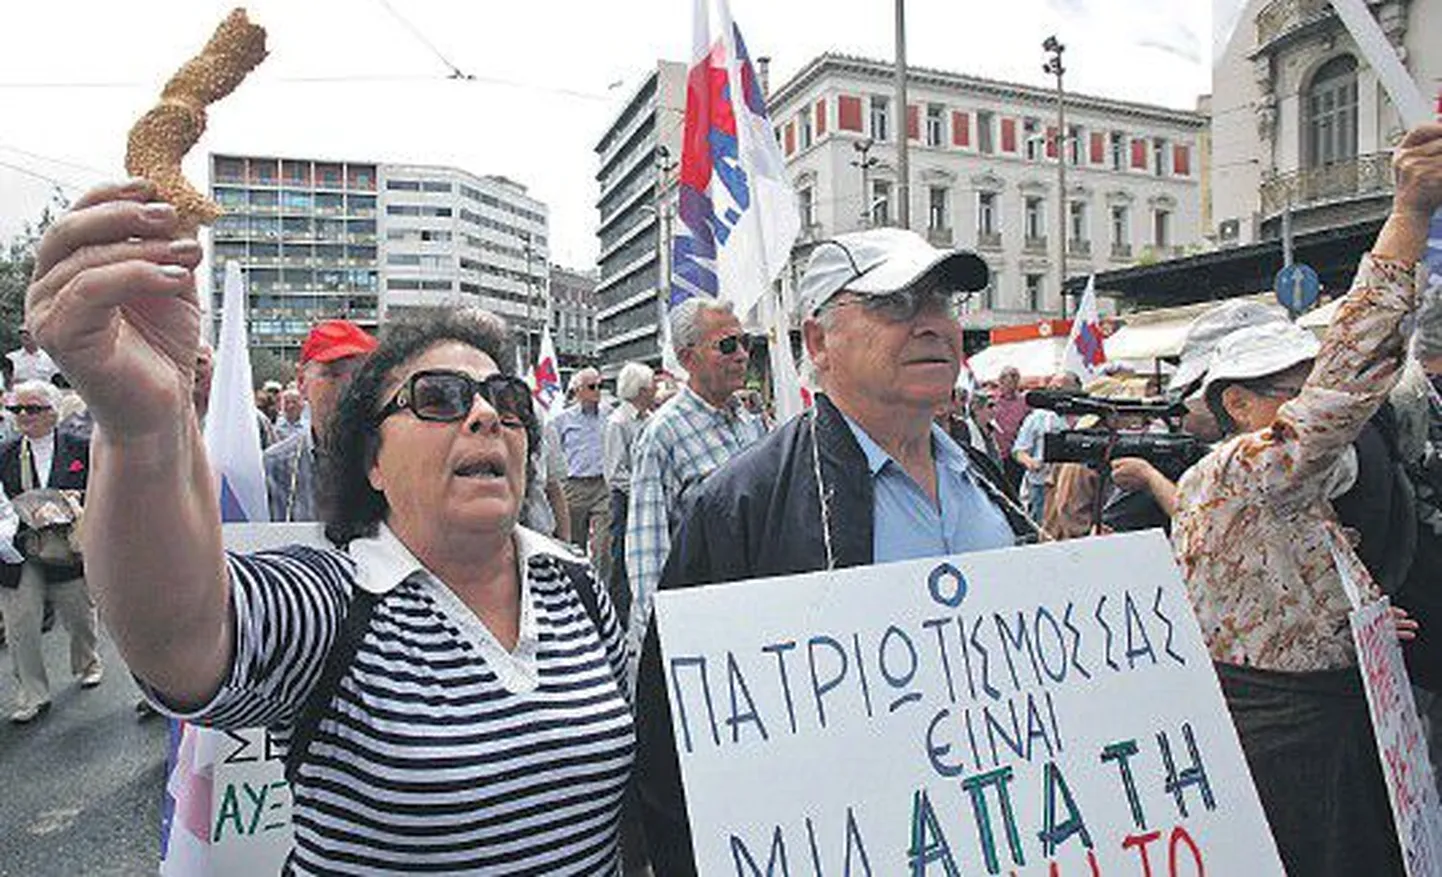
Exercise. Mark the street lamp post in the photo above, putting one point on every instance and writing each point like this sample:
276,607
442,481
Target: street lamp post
903,125
665,165
1054,66
865,160
530,298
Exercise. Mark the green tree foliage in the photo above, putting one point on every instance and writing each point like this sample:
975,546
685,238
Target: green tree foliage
267,366
17,263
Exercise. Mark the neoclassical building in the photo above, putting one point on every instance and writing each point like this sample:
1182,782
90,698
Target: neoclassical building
983,157
1300,120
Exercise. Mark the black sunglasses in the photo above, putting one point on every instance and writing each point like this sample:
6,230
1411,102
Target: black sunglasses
446,396
27,409
904,306
732,343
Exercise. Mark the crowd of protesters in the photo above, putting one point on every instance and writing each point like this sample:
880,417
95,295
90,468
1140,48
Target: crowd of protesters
487,602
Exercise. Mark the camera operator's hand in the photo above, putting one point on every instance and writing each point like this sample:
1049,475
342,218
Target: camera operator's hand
1135,474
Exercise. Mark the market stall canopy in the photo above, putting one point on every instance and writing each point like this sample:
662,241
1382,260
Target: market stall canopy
1318,319
1037,358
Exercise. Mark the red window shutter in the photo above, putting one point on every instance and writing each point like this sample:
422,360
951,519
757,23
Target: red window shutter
1099,148
1139,154
1008,135
1181,160
848,113
790,137
821,117
913,122
1051,141
960,128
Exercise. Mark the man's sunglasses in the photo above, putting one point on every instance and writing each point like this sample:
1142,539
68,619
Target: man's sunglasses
27,409
446,396
731,343
904,306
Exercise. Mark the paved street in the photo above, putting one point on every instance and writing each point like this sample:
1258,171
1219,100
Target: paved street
80,788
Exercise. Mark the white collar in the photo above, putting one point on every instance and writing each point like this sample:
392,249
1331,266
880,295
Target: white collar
383,562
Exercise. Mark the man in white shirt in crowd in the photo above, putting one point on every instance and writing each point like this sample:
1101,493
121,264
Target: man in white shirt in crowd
31,363
291,418
636,388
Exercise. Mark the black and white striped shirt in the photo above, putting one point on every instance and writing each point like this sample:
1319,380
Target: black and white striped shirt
442,752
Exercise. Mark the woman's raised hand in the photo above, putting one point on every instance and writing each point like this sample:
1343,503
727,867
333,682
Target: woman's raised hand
113,301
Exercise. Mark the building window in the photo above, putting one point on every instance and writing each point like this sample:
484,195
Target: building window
1074,139
986,218
984,125
1119,150
1159,156
804,206
1331,113
1035,217
805,125
1161,229
1032,135
1034,291
934,125
988,295
1077,227
1121,230
880,203
936,213
880,118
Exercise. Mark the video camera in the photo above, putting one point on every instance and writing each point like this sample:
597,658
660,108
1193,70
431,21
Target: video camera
1171,453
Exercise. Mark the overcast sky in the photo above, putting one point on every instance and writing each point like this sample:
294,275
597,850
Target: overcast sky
76,73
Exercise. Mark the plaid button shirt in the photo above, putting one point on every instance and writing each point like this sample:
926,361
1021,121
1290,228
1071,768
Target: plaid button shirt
685,441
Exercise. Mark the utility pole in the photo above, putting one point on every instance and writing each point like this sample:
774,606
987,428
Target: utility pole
865,160
1054,66
903,126
664,166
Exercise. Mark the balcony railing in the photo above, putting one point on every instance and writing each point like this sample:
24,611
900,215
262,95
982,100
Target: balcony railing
1079,246
1362,177
939,237
1034,245
1122,252
988,240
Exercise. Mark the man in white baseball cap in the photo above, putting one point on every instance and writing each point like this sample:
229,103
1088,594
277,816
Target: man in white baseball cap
863,477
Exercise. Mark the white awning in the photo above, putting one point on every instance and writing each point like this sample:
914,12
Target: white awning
1037,358
1149,341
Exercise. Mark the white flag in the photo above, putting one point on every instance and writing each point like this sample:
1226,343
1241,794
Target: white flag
737,209
1085,351
232,433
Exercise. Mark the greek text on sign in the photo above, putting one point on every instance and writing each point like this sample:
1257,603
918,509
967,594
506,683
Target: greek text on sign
1401,745
1046,711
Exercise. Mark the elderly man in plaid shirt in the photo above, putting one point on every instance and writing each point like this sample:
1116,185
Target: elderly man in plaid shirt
690,437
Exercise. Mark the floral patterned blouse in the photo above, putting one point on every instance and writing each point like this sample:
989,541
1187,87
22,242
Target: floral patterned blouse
1253,527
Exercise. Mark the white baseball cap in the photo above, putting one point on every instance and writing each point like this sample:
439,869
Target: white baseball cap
1208,330
1258,351
882,261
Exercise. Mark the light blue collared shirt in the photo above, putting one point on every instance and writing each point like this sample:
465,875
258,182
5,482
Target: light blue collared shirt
906,524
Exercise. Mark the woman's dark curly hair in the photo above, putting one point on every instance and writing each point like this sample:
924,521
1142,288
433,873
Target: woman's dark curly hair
351,508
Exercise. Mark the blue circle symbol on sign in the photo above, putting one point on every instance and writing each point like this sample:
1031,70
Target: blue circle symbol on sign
1297,288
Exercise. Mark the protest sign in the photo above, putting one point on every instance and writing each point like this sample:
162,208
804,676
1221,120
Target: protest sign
1401,745
1046,711
249,825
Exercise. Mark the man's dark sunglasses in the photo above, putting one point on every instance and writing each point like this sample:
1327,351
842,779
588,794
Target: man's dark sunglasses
446,396
732,343
904,306
27,409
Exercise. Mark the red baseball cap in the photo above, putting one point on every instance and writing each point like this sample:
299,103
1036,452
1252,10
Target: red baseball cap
330,340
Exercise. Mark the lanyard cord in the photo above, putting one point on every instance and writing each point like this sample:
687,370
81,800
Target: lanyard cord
822,494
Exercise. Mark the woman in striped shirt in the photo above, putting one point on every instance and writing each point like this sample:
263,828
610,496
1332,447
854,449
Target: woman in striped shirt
456,679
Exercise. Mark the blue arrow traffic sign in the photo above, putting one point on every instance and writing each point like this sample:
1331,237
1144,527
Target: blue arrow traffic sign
1297,288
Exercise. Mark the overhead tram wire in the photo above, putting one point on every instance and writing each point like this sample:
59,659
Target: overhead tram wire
54,181
455,72
345,79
